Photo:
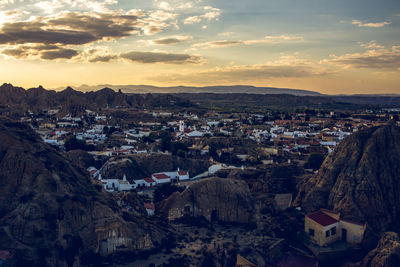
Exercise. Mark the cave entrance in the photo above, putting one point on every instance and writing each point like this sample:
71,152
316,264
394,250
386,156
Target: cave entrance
214,216
187,211
103,247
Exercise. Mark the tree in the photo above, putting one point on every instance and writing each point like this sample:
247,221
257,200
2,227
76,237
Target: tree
165,144
179,147
72,143
314,161
181,153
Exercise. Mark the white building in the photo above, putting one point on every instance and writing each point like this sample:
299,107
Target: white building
150,208
161,178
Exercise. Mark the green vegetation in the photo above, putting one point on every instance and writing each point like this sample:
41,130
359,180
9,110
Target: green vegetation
72,143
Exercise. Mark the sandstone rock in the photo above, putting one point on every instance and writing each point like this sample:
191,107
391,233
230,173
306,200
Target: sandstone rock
50,212
216,199
386,254
360,179
75,102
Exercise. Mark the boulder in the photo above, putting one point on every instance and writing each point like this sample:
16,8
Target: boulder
216,199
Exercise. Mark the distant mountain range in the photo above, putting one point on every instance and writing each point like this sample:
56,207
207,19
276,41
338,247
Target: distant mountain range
233,89
16,99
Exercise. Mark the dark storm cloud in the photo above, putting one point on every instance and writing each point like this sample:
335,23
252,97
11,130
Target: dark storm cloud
16,52
167,41
70,29
160,57
47,52
172,40
99,25
60,53
106,58
26,32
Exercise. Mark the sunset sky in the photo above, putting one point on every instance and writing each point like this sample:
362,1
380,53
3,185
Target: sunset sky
340,46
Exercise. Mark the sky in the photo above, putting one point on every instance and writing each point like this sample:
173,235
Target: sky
333,47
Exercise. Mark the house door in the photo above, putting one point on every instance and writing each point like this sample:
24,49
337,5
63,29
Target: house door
214,216
344,235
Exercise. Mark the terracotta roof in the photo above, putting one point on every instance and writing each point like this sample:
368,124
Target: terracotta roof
182,172
161,176
149,180
321,218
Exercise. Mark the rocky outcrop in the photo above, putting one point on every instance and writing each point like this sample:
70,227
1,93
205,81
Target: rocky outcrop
75,102
386,254
50,212
360,179
268,180
83,159
216,199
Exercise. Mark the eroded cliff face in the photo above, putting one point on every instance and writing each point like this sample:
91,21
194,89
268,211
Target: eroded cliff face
386,254
216,199
51,213
360,179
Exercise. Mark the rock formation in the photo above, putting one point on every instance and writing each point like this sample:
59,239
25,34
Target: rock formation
360,179
75,102
386,254
216,199
50,212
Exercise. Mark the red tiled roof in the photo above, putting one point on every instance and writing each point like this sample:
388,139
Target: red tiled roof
161,176
149,206
182,172
149,180
321,218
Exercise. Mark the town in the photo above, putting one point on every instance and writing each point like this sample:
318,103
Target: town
199,171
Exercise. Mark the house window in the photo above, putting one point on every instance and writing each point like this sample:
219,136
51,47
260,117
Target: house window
333,231
311,232
327,233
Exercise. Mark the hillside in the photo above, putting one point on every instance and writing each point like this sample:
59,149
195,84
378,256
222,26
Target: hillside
51,214
360,179
76,102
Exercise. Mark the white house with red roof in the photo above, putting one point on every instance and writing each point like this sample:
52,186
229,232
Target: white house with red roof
167,177
325,227
161,178
149,182
183,175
